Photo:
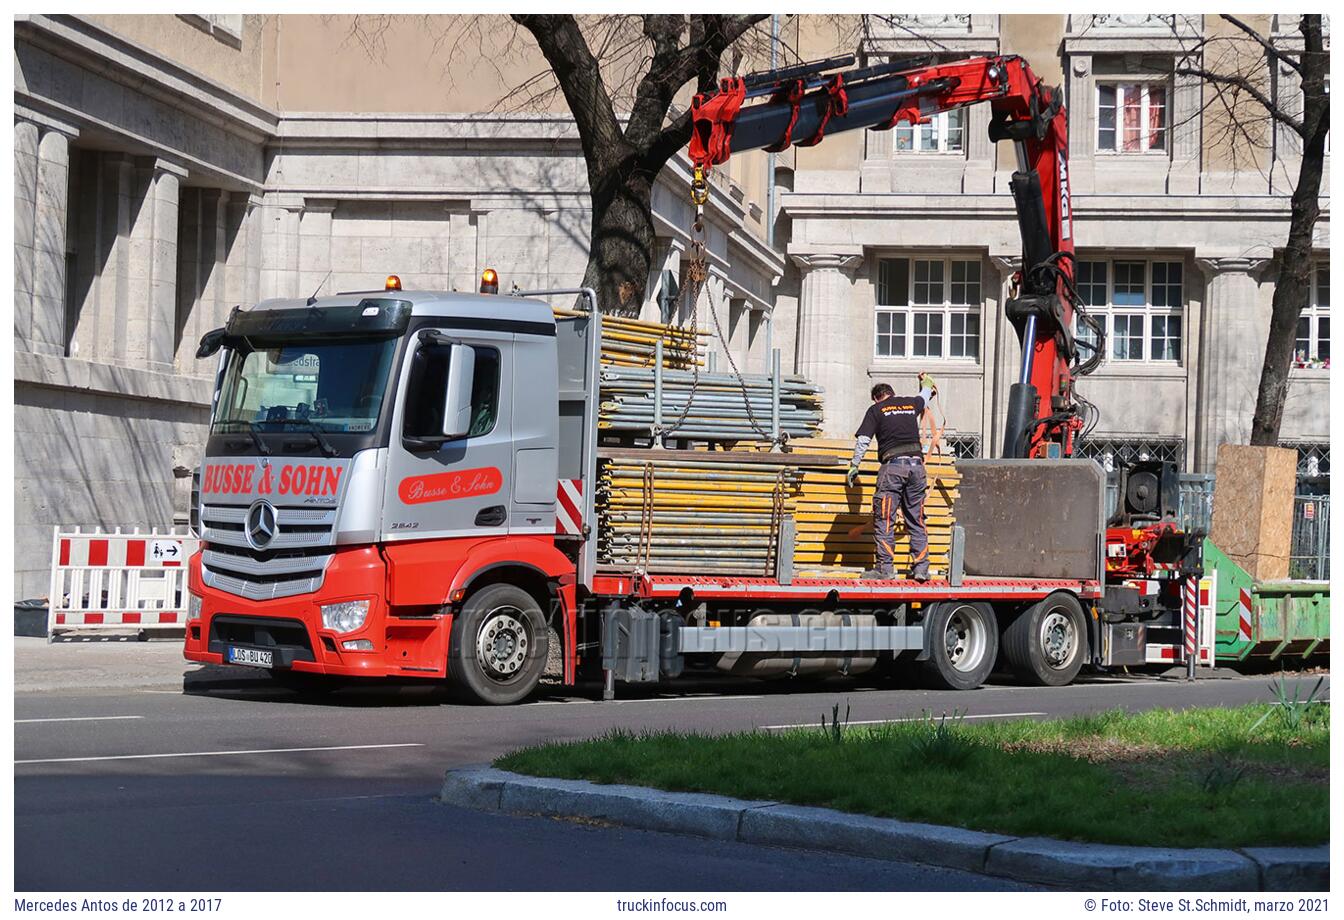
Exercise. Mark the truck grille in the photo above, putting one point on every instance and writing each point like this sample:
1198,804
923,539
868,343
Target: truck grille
294,562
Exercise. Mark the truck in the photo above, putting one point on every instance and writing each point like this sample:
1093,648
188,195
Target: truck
402,483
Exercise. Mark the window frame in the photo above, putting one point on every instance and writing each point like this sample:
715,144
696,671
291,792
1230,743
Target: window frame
939,122
1110,312
944,309
1118,83
1313,314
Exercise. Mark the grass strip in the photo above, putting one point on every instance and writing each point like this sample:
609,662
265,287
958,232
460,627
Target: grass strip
1190,778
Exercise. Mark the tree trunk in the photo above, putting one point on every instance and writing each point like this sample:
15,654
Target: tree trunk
621,252
1293,288
1291,292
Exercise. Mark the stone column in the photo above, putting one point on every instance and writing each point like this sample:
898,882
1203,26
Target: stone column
163,272
152,265
26,135
252,223
239,269
1235,330
824,333
113,320
190,272
46,332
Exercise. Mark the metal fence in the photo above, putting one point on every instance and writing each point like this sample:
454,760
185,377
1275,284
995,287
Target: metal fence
1311,522
1311,538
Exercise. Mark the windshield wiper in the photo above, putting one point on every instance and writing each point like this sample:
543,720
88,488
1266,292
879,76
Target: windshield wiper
315,430
256,437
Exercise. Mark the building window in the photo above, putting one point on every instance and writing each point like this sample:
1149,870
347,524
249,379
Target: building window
1131,117
1313,326
928,308
1139,303
944,133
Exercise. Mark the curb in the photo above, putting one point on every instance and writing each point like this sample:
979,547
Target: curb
1029,859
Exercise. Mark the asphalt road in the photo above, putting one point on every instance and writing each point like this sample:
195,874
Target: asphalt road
230,783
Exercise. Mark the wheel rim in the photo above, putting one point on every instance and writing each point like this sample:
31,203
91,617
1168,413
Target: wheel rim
1059,638
503,643
965,638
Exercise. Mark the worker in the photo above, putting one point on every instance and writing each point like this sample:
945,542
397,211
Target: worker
894,421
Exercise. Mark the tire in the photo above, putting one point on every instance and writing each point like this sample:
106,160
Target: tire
964,643
499,645
1047,644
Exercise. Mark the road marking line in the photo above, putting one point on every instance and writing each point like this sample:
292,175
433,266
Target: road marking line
77,719
996,715
341,747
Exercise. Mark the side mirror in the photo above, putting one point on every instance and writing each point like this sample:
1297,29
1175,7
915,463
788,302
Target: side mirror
457,401
210,343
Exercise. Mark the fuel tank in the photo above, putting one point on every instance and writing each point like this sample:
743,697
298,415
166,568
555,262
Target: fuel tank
789,664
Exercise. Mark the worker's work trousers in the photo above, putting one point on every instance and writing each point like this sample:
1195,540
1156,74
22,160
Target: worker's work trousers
901,483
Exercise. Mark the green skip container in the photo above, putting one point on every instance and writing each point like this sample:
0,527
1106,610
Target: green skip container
1266,621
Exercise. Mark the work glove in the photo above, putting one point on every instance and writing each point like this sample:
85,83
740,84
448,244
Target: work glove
852,476
926,383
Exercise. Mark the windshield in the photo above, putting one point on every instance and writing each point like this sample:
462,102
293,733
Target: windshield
337,386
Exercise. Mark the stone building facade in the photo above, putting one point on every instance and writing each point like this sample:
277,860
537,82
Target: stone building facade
168,168
902,244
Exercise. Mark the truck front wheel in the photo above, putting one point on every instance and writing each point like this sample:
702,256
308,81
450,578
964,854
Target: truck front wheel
499,644
1047,643
963,641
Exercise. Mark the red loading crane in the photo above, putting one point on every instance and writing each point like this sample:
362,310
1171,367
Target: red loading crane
807,102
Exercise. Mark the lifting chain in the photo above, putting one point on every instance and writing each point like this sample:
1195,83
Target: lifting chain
697,273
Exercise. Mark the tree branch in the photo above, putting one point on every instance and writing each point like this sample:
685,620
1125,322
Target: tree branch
1273,52
710,36
580,78
1245,85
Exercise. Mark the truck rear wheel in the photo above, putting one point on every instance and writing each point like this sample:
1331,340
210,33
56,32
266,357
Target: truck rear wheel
499,645
963,640
1047,643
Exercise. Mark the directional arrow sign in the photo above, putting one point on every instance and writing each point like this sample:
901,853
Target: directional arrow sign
165,550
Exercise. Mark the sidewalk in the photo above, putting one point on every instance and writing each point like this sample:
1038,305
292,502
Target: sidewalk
81,664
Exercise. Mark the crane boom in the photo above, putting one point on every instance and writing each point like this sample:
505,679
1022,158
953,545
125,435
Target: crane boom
807,102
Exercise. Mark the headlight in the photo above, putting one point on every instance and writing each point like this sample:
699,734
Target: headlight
193,606
346,616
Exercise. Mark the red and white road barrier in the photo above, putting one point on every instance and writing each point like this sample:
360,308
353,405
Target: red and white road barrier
118,580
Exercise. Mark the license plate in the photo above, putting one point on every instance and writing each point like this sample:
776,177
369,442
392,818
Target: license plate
252,657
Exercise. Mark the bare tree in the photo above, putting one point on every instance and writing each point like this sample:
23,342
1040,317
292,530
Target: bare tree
1242,109
624,159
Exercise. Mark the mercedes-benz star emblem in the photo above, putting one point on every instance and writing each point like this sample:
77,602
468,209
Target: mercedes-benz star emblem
260,524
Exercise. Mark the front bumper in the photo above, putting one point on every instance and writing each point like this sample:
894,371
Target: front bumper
405,642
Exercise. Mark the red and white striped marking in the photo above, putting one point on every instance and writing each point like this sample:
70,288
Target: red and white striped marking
87,618
1191,616
118,551
569,507
1244,616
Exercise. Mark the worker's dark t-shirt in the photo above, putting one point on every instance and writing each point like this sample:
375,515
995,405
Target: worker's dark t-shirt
895,423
